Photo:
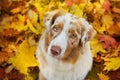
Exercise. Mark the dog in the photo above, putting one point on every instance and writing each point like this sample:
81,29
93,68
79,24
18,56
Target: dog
63,51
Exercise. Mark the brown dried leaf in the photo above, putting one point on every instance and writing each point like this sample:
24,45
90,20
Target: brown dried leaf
17,10
114,75
116,10
12,75
4,56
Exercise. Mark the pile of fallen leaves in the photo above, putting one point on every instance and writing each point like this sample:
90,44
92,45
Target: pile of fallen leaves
21,25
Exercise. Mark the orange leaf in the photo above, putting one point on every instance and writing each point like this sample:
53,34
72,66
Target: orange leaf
69,2
17,10
108,41
4,56
114,30
106,6
116,10
98,58
79,1
103,76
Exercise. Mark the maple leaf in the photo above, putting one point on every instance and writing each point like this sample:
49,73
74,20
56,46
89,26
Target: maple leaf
96,47
34,19
113,52
108,41
9,32
116,10
31,27
106,5
107,20
114,30
17,10
24,58
40,9
12,75
8,5
4,56
71,2
19,24
102,29
114,75
112,63
98,10
103,76
77,10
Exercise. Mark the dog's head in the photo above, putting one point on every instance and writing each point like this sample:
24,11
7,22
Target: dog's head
65,35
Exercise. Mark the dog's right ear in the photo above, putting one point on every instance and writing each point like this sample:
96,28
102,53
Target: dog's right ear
50,17
88,32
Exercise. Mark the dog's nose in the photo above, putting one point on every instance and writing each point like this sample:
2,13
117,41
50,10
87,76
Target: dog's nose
55,50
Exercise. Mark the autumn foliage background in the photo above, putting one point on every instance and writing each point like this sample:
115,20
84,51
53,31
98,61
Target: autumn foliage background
21,25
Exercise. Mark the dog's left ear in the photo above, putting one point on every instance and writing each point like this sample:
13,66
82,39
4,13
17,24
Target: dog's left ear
87,31
50,17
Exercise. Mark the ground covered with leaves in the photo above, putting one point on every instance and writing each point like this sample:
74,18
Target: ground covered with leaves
21,25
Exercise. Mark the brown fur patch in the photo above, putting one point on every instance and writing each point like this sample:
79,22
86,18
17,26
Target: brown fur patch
59,13
73,49
47,40
73,55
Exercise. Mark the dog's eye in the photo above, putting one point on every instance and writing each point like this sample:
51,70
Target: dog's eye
55,29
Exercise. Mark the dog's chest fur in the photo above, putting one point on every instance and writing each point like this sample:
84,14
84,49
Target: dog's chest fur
53,69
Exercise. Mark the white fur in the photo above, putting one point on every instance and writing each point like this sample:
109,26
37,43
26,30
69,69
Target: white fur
54,69
62,38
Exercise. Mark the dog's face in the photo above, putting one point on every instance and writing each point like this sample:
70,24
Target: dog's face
65,35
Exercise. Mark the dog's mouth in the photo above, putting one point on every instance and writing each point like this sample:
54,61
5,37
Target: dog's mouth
55,51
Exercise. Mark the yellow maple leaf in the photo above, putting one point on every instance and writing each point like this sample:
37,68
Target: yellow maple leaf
63,6
107,20
96,47
24,58
19,24
112,63
40,8
31,27
102,29
103,76
77,10
34,17
28,77
98,10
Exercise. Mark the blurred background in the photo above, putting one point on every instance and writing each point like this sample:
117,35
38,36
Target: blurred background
21,25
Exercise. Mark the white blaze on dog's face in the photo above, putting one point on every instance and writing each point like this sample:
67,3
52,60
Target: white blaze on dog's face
65,35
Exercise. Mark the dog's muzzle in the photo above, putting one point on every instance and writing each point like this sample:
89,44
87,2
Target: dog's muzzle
55,50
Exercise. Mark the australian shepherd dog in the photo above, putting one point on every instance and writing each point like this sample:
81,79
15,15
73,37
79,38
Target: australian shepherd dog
63,50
